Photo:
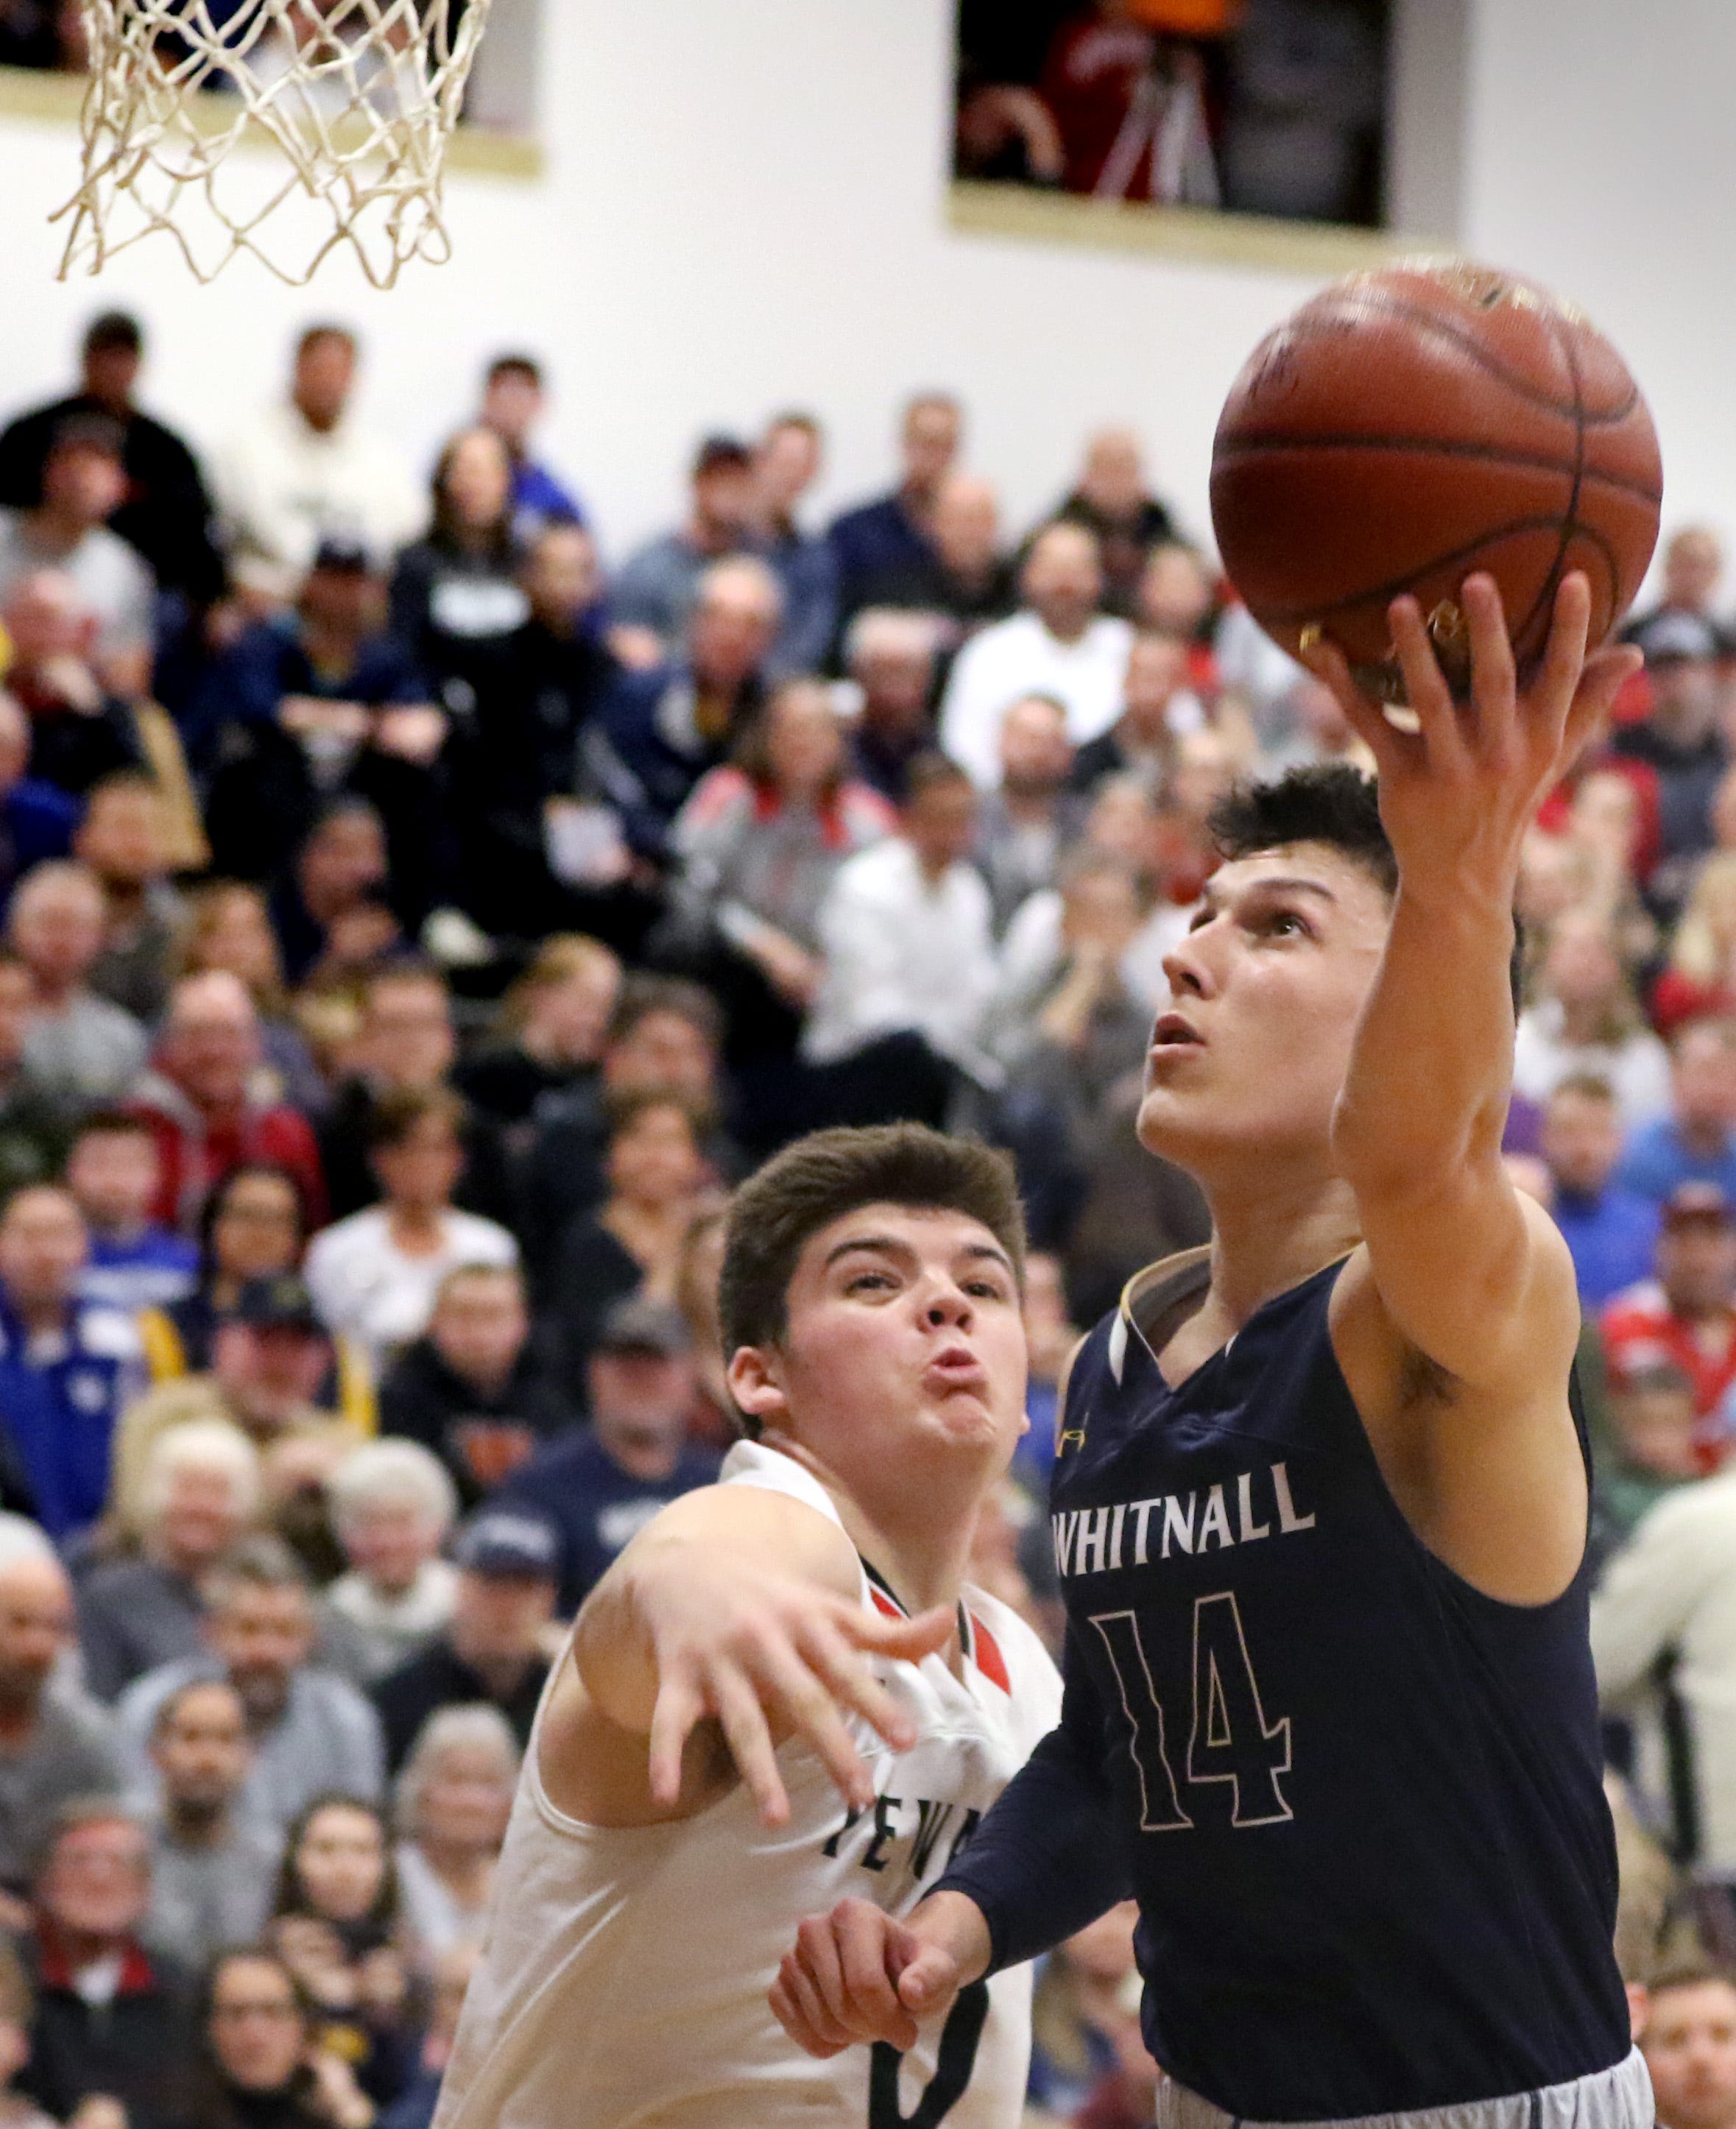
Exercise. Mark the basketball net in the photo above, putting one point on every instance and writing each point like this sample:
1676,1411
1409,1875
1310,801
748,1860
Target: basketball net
357,97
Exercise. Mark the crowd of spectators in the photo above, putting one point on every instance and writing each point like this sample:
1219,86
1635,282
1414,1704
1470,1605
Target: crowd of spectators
417,918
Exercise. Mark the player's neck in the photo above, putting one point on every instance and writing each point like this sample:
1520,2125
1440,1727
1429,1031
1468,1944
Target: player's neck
1271,1234
919,1547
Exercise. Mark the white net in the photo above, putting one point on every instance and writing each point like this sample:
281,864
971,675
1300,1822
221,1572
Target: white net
354,100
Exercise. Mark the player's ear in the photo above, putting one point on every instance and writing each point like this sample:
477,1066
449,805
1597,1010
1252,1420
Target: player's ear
755,1382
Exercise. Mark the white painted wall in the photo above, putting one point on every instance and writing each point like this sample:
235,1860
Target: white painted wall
744,208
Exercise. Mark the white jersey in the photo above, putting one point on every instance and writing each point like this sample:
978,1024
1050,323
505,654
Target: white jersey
624,1979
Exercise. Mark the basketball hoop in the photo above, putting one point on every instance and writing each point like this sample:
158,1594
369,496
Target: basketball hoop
358,97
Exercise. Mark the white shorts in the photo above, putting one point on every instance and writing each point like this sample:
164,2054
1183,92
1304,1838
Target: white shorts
1619,2097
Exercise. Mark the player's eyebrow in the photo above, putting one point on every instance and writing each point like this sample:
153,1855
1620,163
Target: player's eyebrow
1278,884
891,1245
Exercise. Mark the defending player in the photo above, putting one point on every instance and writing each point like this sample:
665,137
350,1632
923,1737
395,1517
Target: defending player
651,1881
1320,1513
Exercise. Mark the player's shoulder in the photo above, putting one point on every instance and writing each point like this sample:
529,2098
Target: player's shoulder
1008,1651
1114,1368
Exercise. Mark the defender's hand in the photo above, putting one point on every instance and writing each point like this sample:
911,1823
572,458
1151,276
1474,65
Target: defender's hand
856,1974
757,1648
1458,795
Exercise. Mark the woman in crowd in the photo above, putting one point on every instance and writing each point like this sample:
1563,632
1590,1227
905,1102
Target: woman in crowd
454,1798
335,1926
263,2069
552,1025
228,927
656,1175
1701,979
1584,1018
253,1225
374,1275
456,594
391,1504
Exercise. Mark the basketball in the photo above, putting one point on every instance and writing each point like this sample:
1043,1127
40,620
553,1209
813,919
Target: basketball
1410,426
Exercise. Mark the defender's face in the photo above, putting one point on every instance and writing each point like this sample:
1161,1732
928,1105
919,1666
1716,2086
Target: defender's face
1250,1055
905,1347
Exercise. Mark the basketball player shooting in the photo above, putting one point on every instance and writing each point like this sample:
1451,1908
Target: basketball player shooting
1321,1504
802,1629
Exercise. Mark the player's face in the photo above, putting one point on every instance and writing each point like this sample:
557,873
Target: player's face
1249,1055
905,1353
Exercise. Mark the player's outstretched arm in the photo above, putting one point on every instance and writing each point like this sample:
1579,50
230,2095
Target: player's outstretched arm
1468,1275
742,1608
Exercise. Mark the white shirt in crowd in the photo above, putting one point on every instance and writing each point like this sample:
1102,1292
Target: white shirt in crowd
1673,1587
902,955
1638,1068
283,486
364,1284
1017,657
112,581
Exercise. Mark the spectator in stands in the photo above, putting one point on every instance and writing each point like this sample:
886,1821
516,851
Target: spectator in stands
374,1274
1679,739
656,1174
79,1048
1059,644
47,35
896,530
54,1742
123,840
657,588
252,1227
1178,595
198,1494
35,1129
451,1982
605,1482
553,1024
906,939
112,1172
392,1506
18,2007
1585,1019
514,399
307,471
1156,706
1699,982
264,2062
456,596
36,820
668,725
330,910
786,463
1695,1141
111,2019
226,927
493,1648
1693,566
1113,500
1611,1231
964,580
475,1388
453,1800
1689,2042
1652,1448
312,1731
211,1868
891,658
83,482
200,1101
1026,824
166,515
67,1369
314,704
270,1361
1687,1314
80,732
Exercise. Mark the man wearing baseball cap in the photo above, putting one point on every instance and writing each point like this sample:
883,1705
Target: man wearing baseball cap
495,1646
605,1482
1686,1317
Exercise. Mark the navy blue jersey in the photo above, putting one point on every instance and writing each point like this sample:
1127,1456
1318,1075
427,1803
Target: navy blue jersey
1361,1804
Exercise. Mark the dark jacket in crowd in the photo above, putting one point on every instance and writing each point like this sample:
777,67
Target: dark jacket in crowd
651,724
440,1678
139,2049
479,1439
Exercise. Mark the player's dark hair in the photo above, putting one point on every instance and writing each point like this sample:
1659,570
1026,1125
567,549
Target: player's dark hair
829,1174
1327,802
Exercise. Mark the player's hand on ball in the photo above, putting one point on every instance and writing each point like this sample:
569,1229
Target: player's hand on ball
1458,792
760,1648
857,1974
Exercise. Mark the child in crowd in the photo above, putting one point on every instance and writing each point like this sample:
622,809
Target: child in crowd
133,1263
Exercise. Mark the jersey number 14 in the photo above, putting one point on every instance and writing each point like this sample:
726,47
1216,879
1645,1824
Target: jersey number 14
1230,1738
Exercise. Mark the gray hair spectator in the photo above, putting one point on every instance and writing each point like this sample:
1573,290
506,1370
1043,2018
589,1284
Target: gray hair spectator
211,1868
81,1047
391,1504
80,733
200,1491
452,1802
892,657
311,1730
